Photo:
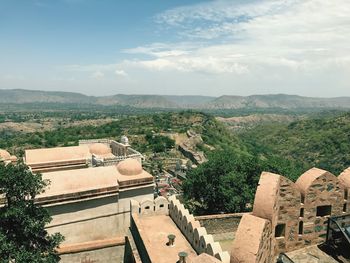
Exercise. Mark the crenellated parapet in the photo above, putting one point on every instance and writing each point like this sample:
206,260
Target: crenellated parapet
190,228
195,234
148,207
287,216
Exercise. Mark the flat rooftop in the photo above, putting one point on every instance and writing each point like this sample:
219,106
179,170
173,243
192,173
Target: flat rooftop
154,231
58,154
72,182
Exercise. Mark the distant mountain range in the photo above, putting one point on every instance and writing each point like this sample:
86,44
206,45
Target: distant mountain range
21,96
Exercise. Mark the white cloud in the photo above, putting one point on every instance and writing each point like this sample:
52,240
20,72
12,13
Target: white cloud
120,72
90,68
98,75
300,35
257,46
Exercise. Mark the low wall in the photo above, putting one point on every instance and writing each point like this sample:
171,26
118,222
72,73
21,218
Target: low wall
217,224
92,141
108,254
197,235
158,206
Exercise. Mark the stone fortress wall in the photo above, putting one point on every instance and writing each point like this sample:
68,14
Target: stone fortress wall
287,216
188,148
195,234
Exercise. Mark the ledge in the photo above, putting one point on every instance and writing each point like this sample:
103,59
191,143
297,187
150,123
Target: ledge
219,216
91,245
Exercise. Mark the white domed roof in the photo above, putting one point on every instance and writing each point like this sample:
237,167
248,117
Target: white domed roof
99,149
129,167
124,140
4,155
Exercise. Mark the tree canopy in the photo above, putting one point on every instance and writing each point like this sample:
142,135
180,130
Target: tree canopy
228,181
23,237
321,142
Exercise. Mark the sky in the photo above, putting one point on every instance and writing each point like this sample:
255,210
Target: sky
177,47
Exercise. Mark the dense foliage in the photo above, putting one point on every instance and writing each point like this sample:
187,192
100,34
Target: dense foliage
16,141
227,182
159,143
323,142
23,237
223,184
236,159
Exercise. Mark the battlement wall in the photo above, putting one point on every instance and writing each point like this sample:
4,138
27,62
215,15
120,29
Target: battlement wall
297,212
194,233
190,227
147,207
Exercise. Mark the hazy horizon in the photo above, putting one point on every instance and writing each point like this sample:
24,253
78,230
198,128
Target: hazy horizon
181,95
182,47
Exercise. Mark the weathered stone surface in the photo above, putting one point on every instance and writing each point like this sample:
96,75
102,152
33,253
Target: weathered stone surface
318,193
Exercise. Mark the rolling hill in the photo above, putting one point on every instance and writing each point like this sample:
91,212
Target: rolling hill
277,101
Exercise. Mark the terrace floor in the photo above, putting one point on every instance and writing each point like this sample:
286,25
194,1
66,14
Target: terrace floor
154,231
314,254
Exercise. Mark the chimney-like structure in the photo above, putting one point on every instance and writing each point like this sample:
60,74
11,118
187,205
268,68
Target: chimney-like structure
182,257
171,241
125,141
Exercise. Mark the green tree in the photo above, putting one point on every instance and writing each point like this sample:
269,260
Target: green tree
23,237
226,183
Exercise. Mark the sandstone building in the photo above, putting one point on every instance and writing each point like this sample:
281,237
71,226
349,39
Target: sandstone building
102,201
89,153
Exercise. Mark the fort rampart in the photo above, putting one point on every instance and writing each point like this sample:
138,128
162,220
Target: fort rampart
190,227
287,216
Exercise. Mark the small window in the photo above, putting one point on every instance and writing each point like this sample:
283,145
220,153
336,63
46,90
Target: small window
344,208
147,207
324,210
302,199
280,230
301,212
162,205
346,194
301,226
